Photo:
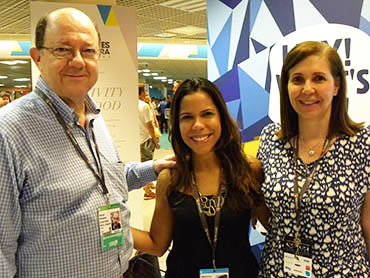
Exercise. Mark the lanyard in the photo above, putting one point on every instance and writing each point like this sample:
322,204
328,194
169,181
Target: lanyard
100,174
308,178
203,220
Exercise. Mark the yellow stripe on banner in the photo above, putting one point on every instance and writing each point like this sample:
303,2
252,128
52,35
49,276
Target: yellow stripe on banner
251,147
111,20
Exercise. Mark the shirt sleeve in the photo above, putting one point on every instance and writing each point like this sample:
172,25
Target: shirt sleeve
10,210
139,174
148,115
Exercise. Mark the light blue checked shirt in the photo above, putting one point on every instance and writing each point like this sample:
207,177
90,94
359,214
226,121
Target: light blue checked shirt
49,198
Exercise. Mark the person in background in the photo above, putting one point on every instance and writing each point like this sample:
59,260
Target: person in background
317,166
157,131
5,98
163,121
148,139
204,204
60,173
167,112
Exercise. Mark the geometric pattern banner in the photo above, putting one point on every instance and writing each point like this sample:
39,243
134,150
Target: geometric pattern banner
248,40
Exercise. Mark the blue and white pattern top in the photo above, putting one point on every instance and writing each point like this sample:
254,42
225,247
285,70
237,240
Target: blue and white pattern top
331,212
49,198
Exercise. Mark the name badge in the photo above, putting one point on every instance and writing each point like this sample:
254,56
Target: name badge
214,273
110,225
298,257
297,265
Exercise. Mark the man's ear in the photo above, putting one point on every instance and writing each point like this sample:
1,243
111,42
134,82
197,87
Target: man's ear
35,55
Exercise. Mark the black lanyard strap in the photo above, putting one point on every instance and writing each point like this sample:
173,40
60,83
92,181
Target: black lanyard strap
219,203
298,193
100,175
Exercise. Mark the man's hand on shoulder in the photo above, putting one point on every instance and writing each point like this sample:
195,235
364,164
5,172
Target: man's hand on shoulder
166,162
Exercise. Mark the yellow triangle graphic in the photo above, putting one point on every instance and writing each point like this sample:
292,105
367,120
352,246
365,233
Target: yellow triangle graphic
111,20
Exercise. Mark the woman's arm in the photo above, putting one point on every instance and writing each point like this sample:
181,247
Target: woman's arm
261,212
365,221
157,241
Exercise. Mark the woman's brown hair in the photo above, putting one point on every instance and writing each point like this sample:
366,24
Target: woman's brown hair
242,185
340,122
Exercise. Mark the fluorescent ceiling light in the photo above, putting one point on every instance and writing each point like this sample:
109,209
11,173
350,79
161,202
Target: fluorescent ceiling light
163,80
21,86
138,71
160,77
22,79
155,73
13,62
146,74
3,77
146,70
2,85
165,35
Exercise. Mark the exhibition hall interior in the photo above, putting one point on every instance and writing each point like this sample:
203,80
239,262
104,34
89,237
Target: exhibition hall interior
181,24
293,75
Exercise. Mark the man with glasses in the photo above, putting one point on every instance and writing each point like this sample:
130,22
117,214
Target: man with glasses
61,179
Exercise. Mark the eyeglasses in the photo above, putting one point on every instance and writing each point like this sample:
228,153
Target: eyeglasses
68,52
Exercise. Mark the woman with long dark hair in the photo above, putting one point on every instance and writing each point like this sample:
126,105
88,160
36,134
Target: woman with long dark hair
204,204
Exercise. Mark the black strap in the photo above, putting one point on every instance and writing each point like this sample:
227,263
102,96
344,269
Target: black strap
203,220
100,174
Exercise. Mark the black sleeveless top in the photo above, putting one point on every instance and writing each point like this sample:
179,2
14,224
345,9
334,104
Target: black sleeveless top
191,250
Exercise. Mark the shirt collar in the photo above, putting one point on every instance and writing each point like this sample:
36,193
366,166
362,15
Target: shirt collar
68,114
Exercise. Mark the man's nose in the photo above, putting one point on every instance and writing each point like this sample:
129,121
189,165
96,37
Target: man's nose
77,58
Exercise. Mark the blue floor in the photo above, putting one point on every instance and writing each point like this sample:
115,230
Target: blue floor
163,141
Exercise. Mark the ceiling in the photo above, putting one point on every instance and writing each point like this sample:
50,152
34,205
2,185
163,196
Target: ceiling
158,21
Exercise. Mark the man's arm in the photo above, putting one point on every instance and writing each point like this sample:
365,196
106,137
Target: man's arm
150,127
139,174
10,211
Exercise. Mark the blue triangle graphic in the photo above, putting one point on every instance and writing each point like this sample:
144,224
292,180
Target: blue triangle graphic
254,130
365,25
258,47
220,48
254,100
343,12
104,12
254,9
228,84
283,13
234,107
242,53
25,49
231,3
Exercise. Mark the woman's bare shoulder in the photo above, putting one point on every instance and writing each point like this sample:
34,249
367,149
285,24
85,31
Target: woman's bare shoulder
163,181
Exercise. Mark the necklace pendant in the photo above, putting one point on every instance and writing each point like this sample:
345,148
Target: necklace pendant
311,153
